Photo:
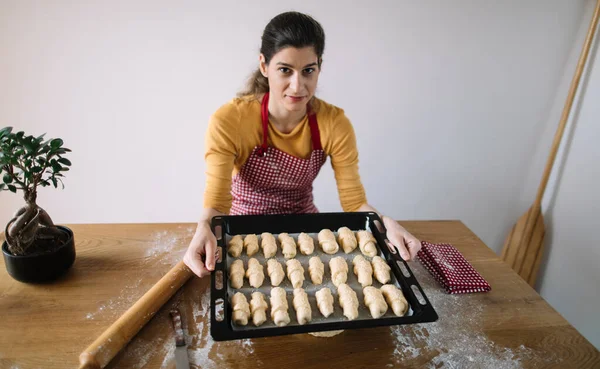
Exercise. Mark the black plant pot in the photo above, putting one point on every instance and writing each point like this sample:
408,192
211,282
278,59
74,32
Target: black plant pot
43,267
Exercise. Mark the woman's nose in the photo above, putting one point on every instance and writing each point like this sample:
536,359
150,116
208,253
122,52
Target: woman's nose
295,82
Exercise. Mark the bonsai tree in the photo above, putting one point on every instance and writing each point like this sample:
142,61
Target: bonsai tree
27,162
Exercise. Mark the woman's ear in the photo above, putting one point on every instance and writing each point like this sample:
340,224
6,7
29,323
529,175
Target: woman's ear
262,64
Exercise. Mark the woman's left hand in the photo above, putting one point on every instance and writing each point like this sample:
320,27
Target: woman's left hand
407,244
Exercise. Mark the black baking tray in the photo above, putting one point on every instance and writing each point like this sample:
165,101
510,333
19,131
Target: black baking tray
222,329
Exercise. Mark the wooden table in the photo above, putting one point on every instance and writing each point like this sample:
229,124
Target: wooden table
48,326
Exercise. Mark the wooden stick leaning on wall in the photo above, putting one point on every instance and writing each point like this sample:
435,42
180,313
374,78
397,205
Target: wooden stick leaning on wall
104,349
523,248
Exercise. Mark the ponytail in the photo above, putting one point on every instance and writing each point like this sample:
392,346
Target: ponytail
257,84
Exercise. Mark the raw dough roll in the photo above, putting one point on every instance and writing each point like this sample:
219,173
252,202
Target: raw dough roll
258,308
374,301
251,244
268,244
295,272
347,239
302,306
241,309
279,307
236,274
363,270
325,301
288,245
255,273
339,270
327,242
348,301
395,299
326,334
316,269
366,243
275,271
306,244
235,246
381,269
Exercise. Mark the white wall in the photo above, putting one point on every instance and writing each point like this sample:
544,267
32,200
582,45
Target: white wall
569,276
448,98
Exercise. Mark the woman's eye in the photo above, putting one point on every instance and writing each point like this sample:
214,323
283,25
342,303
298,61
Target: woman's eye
284,70
309,70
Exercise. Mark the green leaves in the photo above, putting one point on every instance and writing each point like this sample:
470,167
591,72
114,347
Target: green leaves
56,167
27,161
5,131
56,143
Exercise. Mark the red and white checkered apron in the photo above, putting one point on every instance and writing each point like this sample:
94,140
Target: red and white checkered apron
274,182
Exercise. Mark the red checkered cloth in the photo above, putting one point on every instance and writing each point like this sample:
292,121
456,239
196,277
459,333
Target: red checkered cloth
451,269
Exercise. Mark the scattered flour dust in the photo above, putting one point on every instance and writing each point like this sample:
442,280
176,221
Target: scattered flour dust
162,251
456,340
144,350
118,305
166,242
204,342
202,345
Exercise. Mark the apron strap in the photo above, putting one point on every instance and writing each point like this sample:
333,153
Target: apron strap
312,122
315,135
264,113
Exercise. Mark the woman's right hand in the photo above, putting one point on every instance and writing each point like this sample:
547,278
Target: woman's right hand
200,255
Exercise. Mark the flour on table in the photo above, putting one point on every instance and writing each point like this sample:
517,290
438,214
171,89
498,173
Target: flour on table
143,351
456,339
202,345
117,306
200,354
169,247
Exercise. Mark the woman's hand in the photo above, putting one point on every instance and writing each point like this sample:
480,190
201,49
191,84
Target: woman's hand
407,244
200,255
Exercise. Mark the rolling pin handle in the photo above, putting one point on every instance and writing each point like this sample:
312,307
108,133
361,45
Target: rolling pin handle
88,361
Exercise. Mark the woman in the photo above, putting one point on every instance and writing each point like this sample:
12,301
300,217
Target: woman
265,148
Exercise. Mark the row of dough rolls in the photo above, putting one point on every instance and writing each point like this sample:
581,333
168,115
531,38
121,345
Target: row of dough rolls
364,269
327,240
377,300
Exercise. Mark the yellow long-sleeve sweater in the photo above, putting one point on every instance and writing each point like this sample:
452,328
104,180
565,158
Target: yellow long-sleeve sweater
235,129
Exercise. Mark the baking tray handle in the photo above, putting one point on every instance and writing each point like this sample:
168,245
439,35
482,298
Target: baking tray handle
411,287
218,280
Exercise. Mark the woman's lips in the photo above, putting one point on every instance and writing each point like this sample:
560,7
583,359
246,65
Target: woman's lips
295,98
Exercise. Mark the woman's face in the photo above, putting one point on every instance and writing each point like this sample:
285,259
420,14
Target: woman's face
293,74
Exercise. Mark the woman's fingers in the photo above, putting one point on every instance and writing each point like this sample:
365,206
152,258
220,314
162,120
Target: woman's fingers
398,241
210,249
414,245
194,261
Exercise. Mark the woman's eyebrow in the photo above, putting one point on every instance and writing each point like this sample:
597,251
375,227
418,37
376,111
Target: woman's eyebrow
291,66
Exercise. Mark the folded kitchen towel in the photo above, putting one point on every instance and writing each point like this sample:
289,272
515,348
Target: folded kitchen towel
451,269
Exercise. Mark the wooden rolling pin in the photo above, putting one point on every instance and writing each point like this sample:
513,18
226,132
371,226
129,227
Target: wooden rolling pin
101,352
